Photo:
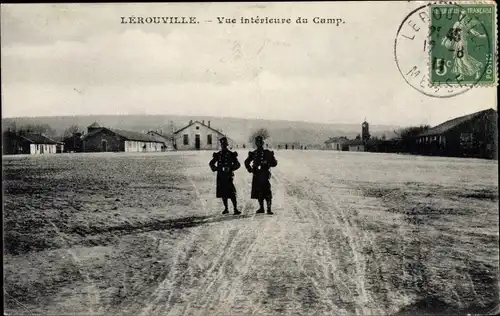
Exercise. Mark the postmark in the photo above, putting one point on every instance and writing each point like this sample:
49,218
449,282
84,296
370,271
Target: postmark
462,40
412,50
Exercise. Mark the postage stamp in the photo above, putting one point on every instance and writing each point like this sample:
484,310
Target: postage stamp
463,44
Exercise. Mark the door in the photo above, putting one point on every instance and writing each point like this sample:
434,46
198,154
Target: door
104,145
197,142
41,149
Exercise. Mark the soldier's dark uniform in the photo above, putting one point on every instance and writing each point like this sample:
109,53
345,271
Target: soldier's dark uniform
225,162
259,163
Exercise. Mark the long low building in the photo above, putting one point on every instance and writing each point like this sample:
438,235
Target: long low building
473,135
29,144
103,139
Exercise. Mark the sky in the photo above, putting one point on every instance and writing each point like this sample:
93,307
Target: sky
79,59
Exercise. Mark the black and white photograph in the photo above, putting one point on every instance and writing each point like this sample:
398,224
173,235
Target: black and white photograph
250,158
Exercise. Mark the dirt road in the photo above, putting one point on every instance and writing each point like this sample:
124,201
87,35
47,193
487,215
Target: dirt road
353,234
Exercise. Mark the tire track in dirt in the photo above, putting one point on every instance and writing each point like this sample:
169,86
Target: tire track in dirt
175,274
215,272
168,284
361,239
301,212
245,269
94,293
237,241
244,244
357,239
330,249
365,241
319,212
227,288
354,242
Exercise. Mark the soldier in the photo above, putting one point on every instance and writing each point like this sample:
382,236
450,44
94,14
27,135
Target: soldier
262,160
225,162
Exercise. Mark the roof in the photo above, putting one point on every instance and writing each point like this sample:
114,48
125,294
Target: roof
127,135
94,125
70,137
159,137
92,133
200,124
38,139
450,124
341,139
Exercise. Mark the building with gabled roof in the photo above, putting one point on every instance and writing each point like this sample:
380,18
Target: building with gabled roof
337,143
104,139
28,143
472,135
166,140
198,136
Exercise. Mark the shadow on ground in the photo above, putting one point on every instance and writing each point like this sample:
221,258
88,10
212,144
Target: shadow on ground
18,244
434,306
168,224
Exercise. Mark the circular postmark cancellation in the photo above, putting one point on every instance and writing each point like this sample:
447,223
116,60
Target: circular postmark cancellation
445,49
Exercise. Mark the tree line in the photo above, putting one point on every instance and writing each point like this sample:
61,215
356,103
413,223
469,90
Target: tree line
45,129
404,142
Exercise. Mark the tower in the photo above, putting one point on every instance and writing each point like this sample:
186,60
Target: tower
365,131
93,127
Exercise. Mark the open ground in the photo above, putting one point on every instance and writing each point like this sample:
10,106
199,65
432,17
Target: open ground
353,234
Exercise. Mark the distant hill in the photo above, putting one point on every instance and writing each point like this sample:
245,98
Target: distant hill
238,129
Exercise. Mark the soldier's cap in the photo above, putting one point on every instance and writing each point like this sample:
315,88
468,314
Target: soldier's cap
259,138
223,140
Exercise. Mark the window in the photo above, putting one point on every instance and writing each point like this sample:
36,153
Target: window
209,139
466,140
197,127
186,139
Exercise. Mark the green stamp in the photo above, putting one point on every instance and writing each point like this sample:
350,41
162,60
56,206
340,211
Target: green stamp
463,44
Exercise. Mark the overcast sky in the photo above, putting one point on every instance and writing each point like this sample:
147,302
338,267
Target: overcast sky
73,59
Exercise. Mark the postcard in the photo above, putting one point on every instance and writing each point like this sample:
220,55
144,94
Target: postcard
250,158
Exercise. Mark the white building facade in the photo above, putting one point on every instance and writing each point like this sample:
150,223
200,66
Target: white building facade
36,149
197,136
139,146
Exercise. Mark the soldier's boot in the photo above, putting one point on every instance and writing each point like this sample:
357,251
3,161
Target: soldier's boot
225,211
269,208
261,206
236,212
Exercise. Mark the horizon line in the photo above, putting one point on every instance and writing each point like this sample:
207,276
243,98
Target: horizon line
200,116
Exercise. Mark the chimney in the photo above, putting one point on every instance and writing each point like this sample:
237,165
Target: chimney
190,122
208,123
203,122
